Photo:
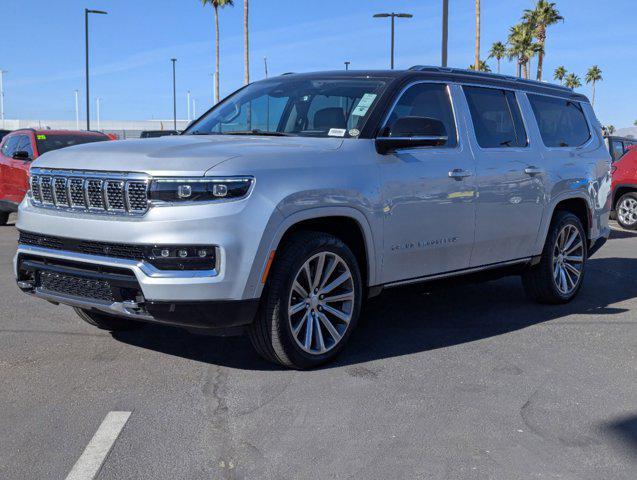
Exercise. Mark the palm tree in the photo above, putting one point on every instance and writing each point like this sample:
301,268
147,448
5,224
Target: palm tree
476,63
593,76
560,73
572,81
484,67
498,51
246,39
540,18
521,46
217,4
610,129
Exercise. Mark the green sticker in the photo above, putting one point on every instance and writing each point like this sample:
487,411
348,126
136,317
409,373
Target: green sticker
41,137
364,104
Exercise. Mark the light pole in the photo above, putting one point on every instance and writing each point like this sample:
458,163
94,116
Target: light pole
174,60
347,64
194,108
393,17
97,111
265,63
77,109
88,96
445,31
2,72
188,102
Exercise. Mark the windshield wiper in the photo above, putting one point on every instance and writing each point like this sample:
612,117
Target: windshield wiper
255,131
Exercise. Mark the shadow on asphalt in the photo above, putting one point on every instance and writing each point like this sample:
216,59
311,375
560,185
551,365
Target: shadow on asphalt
401,322
624,430
622,234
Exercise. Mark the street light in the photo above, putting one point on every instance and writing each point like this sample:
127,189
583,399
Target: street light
97,111
77,110
445,31
393,17
174,60
347,64
2,72
88,96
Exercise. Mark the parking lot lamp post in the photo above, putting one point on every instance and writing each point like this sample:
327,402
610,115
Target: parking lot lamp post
97,111
174,60
347,64
188,103
445,31
2,72
88,96
77,109
393,16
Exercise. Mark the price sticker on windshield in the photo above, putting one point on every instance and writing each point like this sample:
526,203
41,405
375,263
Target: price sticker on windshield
364,104
41,137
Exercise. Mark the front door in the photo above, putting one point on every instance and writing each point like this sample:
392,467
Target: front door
428,193
509,178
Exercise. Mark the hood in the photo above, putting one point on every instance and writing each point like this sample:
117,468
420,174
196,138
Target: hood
182,155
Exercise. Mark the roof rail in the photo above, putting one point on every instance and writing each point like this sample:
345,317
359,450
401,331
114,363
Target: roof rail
495,76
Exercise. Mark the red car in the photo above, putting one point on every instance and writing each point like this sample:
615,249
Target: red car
625,188
19,148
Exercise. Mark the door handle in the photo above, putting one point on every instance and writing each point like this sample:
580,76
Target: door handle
531,170
459,174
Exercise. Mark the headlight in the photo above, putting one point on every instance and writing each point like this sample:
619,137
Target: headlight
199,189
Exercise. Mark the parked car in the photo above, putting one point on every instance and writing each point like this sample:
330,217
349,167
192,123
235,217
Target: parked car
618,146
19,148
157,133
298,197
624,188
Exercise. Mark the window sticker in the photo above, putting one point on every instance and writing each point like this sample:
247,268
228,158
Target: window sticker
354,132
364,104
336,132
41,137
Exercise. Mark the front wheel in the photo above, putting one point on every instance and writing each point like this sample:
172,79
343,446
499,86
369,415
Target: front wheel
311,303
627,211
559,275
106,322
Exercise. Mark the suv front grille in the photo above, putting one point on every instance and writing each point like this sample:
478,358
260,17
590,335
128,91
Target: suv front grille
91,192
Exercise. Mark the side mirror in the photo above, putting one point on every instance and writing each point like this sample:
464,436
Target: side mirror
22,155
410,132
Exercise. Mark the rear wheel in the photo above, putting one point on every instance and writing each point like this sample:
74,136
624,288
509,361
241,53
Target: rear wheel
107,322
4,218
559,275
627,211
311,303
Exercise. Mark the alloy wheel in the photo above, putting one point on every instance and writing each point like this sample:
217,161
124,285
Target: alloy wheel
627,211
321,303
568,259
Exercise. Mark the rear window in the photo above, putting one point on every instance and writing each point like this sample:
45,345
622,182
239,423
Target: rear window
496,117
562,122
46,142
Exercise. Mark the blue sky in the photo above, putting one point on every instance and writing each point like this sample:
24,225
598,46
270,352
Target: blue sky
43,48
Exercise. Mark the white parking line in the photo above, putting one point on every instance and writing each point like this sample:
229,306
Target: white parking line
90,462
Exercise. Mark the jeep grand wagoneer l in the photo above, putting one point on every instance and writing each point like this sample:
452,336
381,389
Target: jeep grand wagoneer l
286,205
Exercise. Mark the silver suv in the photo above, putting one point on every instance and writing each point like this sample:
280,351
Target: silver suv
296,198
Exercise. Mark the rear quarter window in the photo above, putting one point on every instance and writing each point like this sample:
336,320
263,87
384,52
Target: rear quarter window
562,122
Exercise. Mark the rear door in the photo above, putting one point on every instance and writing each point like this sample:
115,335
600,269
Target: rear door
509,177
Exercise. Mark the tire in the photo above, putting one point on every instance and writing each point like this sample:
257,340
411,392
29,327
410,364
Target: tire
107,322
626,211
4,218
280,332
545,282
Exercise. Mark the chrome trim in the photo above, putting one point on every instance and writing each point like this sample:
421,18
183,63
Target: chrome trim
121,309
146,268
101,180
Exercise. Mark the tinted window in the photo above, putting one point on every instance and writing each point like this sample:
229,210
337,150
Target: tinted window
47,143
617,149
9,147
427,100
496,118
562,122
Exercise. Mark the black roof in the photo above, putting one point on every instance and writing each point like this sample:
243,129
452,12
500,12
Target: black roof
454,75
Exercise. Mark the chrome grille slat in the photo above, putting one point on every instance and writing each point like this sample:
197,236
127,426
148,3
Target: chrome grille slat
90,192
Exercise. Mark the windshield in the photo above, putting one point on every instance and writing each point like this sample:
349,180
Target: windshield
295,107
47,142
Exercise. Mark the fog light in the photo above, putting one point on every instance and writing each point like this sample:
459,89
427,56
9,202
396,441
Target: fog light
182,253
202,253
165,253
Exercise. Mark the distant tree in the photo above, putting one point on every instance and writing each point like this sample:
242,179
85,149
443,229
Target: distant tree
560,73
572,81
217,4
593,76
483,67
521,46
610,129
540,18
498,51
635,123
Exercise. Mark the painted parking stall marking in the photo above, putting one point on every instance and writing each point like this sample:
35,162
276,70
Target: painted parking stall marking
91,460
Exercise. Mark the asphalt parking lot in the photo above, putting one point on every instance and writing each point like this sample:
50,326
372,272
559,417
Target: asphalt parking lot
470,382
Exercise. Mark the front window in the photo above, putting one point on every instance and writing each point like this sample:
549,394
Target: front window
48,142
295,107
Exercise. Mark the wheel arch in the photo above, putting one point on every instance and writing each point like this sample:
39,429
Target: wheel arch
621,190
579,205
